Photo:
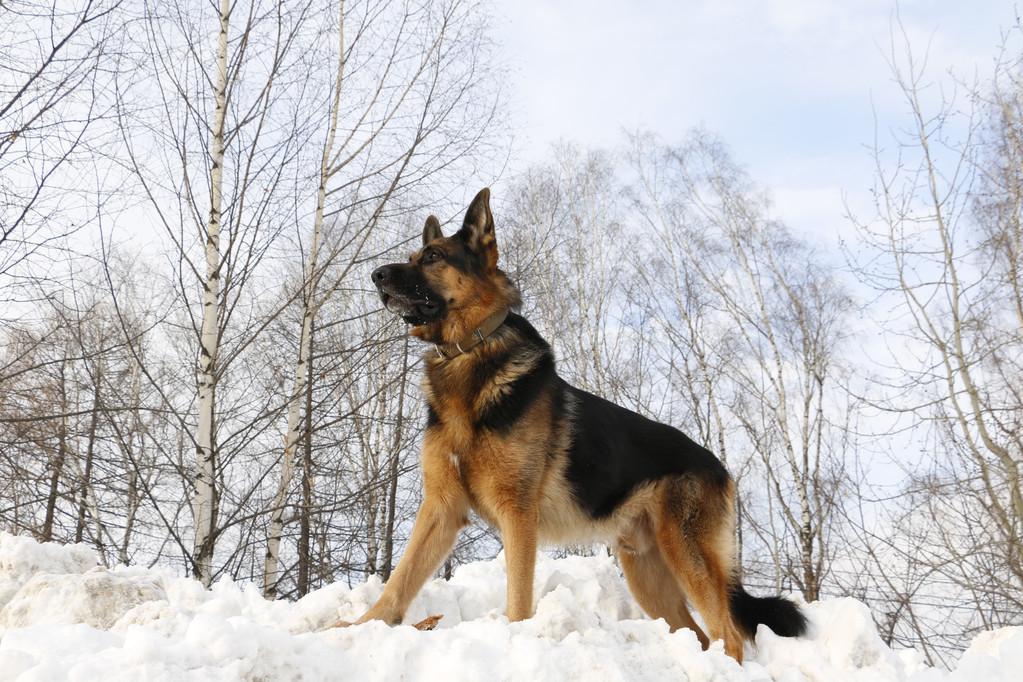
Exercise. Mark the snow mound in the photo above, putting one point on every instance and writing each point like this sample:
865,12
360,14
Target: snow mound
97,598
23,558
66,620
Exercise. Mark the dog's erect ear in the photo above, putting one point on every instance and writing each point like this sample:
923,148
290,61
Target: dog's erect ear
431,230
478,229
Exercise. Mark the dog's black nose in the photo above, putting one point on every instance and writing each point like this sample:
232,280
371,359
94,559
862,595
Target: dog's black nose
381,275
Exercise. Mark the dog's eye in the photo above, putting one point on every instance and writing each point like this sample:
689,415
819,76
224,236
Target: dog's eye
431,256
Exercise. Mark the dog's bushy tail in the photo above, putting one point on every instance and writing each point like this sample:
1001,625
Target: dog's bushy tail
777,613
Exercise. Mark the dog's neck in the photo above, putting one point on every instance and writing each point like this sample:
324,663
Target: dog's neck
490,324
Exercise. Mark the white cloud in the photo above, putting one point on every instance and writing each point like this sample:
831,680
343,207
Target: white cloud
791,85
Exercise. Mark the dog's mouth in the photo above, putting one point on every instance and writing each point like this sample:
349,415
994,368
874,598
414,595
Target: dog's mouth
414,311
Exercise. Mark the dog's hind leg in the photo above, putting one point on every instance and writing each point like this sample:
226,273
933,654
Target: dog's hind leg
656,589
694,533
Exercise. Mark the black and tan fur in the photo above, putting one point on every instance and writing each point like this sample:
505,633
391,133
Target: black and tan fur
545,462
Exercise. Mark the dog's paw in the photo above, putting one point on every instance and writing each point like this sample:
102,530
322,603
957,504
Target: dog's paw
428,623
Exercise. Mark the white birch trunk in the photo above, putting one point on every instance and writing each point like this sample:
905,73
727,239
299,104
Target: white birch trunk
204,501
291,438
309,308
133,501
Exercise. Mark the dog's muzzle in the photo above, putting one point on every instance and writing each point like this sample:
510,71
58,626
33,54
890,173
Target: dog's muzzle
403,295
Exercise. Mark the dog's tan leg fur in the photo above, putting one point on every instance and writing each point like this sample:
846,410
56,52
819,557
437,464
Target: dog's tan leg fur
652,584
699,574
519,535
694,536
442,514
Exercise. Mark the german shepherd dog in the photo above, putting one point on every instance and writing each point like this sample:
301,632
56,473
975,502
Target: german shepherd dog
545,462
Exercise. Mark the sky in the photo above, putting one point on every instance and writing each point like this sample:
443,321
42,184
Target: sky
792,86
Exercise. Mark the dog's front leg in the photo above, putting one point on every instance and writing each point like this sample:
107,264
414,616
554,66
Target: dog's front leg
433,536
442,514
519,534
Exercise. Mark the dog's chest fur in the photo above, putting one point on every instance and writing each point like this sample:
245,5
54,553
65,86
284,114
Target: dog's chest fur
519,465
491,413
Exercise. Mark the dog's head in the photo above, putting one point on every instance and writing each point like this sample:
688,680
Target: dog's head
449,286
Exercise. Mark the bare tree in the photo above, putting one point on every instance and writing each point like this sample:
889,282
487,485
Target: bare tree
409,129
757,347
566,248
228,135
53,76
944,248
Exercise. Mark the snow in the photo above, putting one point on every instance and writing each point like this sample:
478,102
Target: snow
64,618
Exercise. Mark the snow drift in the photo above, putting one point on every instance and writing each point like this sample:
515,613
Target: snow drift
64,618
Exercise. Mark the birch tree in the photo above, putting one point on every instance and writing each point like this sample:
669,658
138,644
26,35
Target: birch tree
204,503
411,129
227,129
567,246
761,327
944,247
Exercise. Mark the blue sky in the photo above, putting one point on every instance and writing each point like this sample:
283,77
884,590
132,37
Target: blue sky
791,85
